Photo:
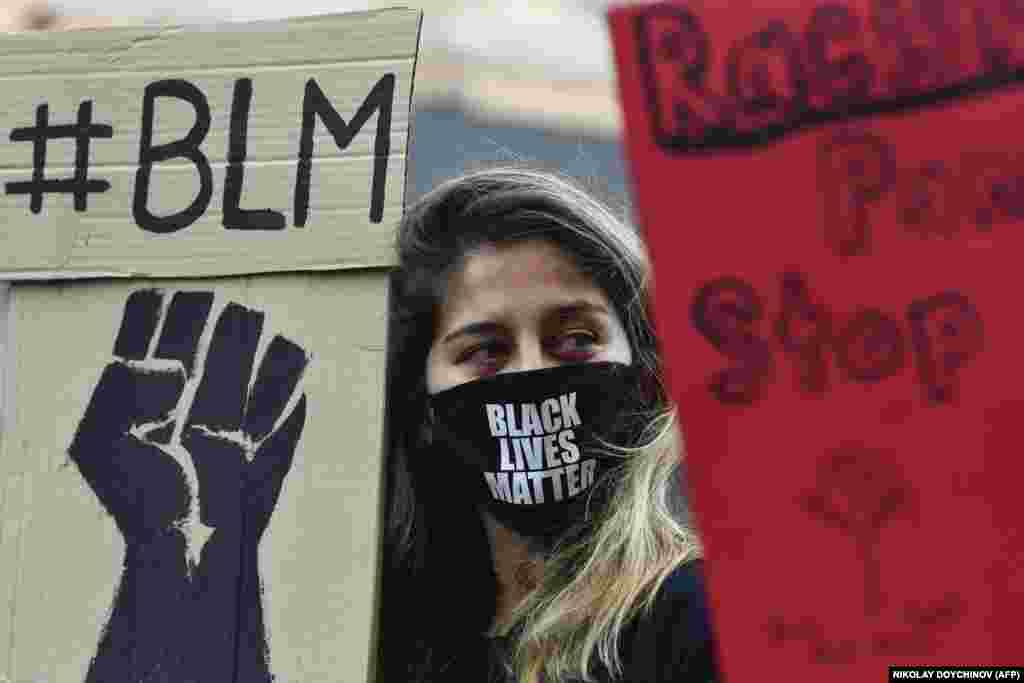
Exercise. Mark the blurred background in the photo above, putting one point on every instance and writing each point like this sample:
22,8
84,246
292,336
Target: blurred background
526,81
529,81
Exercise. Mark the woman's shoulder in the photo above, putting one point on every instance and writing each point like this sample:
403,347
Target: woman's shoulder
675,640
686,581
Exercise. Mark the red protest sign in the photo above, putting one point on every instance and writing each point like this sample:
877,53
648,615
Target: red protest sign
833,194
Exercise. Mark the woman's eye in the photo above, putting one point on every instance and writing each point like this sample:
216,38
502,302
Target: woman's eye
484,355
575,344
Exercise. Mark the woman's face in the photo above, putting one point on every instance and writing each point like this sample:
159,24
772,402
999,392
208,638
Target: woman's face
521,306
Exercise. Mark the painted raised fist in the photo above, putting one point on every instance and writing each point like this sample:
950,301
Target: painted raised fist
143,432
187,448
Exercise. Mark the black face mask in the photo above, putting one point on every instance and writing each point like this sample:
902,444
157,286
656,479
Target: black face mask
530,438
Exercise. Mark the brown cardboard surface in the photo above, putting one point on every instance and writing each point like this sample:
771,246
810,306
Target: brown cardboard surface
361,62
61,553
232,533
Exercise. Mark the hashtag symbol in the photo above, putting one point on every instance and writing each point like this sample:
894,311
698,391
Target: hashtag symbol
82,132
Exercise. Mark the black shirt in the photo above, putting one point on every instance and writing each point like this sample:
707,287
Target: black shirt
674,643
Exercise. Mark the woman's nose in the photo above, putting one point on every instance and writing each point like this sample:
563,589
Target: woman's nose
531,355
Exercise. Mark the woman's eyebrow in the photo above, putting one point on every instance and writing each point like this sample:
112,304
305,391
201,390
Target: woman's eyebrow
566,311
578,308
473,329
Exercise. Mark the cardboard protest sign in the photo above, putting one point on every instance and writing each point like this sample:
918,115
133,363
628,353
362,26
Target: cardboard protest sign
833,195
165,152
191,467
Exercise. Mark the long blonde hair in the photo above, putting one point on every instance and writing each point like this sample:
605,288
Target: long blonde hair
595,581
591,589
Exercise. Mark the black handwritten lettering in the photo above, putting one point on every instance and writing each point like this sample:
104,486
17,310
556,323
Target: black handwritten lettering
725,312
946,333
185,148
315,106
81,185
236,218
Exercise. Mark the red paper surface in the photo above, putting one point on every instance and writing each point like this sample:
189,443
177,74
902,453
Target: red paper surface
833,196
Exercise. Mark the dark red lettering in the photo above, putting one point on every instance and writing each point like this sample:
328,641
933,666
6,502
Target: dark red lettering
870,347
855,169
839,72
726,312
993,185
998,27
674,55
927,201
917,44
946,333
766,78
804,330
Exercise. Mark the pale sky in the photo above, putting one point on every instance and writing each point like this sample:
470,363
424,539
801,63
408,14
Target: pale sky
570,35
203,10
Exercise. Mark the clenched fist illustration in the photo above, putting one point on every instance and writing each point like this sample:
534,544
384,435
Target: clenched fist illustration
188,449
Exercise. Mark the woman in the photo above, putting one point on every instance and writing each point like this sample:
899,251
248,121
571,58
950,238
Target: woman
534,525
